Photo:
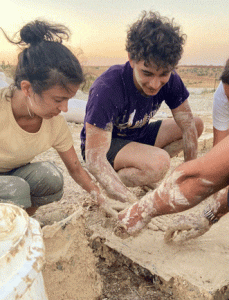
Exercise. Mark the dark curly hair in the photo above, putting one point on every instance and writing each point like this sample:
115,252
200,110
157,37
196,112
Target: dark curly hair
225,75
155,38
45,61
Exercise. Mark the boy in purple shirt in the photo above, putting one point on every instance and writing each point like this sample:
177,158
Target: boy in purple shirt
121,148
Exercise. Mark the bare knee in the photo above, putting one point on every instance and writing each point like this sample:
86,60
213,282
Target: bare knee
159,167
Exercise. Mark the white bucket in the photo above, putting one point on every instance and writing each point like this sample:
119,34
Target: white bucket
4,81
22,255
76,111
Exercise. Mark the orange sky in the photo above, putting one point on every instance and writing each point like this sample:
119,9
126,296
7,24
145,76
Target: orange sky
99,26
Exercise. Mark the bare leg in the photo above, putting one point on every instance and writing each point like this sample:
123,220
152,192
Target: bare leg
174,148
170,136
141,165
132,177
170,132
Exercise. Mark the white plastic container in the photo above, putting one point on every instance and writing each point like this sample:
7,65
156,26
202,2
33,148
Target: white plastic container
76,111
22,255
4,81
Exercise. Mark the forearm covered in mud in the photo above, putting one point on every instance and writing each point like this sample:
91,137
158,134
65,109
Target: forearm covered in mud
190,142
97,145
175,194
187,186
185,121
80,175
100,168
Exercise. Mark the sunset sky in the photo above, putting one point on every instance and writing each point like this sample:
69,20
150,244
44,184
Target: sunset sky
99,27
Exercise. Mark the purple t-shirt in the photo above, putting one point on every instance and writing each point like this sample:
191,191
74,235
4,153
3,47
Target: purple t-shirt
113,97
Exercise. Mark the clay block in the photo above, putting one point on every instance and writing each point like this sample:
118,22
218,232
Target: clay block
196,269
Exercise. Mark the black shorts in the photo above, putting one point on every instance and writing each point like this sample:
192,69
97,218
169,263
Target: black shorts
117,144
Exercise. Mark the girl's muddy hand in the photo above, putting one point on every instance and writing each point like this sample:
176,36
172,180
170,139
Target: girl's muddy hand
112,207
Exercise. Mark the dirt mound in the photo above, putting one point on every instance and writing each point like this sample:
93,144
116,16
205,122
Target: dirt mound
70,270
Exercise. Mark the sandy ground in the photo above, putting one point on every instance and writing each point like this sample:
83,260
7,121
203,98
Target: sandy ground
72,271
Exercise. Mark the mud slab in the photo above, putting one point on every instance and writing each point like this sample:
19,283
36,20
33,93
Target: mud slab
197,269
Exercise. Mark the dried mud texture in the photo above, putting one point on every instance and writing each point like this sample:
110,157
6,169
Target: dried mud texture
70,270
122,279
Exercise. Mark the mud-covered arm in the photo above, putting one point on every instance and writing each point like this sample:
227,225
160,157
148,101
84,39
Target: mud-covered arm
192,225
80,175
187,186
219,135
184,119
97,145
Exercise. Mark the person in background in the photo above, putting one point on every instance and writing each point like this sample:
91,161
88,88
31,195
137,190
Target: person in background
221,107
47,76
120,145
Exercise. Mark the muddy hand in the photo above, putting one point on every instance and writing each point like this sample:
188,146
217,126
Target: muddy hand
112,207
186,227
131,198
131,220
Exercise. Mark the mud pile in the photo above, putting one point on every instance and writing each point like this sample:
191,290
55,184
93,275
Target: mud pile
70,270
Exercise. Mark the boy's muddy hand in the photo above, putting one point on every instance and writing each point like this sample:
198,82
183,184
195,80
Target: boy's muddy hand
117,205
130,198
186,227
111,207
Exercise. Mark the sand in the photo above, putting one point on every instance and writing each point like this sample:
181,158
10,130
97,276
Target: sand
70,269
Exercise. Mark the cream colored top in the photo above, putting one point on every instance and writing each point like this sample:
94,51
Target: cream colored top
18,147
